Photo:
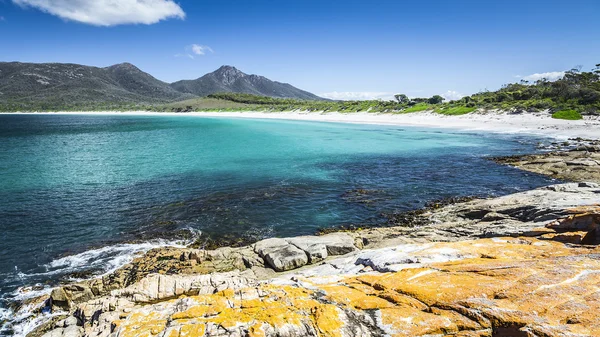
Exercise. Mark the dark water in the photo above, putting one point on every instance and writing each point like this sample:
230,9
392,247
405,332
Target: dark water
85,192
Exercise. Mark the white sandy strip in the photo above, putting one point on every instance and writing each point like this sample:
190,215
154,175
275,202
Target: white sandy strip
529,123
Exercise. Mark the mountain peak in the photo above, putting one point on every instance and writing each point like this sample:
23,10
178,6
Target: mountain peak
226,68
230,79
228,74
124,66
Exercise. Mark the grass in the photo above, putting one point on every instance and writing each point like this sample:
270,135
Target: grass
455,111
417,108
571,115
206,104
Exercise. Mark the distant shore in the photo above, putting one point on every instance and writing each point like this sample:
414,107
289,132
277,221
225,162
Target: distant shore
499,122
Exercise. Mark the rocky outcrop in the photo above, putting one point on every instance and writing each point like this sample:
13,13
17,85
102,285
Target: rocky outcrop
520,214
581,219
530,267
261,260
581,163
485,287
292,253
156,287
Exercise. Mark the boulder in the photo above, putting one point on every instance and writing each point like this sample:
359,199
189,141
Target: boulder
286,258
337,243
64,297
290,253
319,247
281,255
315,251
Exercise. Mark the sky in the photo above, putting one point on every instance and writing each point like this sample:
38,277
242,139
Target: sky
347,49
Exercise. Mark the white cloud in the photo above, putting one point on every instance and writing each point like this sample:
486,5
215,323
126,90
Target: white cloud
109,12
195,50
200,50
356,96
550,76
2,18
452,95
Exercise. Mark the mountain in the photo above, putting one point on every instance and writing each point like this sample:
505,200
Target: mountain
63,84
230,79
40,86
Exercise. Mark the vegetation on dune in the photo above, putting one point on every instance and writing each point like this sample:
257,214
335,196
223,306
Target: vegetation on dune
454,110
417,108
567,114
574,95
577,91
203,104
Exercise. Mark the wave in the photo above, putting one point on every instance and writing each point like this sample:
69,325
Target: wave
22,320
107,259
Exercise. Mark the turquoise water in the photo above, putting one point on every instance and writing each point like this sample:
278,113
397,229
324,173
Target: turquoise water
81,192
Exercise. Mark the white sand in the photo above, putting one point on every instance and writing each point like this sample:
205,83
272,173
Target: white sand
501,122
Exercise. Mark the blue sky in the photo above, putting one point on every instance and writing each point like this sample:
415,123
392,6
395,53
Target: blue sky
345,48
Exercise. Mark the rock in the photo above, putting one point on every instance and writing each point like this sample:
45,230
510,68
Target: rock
156,287
54,333
314,250
64,297
582,162
73,331
69,331
164,283
337,243
60,298
580,219
291,253
319,247
281,255
581,165
503,286
494,216
582,222
264,246
71,320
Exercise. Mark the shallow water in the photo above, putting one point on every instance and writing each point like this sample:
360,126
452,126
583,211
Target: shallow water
82,192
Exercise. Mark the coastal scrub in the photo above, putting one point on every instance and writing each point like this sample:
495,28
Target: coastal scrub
455,111
571,115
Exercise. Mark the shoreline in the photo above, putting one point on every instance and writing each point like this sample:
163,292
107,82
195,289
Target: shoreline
186,255
538,124
456,233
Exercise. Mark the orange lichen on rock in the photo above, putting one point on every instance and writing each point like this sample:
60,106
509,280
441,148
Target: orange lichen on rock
583,218
412,322
580,218
503,287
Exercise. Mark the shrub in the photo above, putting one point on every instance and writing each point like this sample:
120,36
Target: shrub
571,115
454,111
417,108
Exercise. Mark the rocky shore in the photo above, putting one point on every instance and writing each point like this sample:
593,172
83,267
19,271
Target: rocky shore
525,264
581,162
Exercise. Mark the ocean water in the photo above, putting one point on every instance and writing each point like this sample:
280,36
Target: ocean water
79,194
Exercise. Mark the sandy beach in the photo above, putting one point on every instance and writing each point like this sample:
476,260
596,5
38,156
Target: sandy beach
528,123
541,124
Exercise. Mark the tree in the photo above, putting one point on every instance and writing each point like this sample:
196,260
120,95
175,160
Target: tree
401,98
437,99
